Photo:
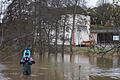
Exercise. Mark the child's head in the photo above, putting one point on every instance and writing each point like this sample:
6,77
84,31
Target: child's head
26,54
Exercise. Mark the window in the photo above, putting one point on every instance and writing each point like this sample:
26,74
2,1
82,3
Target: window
67,29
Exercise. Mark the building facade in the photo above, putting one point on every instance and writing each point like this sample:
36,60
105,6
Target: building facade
105,36
81,31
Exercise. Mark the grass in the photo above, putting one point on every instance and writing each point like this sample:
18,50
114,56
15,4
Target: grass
99,27
78,50
93,51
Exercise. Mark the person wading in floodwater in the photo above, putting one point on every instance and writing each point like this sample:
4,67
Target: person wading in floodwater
26,62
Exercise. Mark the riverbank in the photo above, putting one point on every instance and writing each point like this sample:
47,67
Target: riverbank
76,50
95,51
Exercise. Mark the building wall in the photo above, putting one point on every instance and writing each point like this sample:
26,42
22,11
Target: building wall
82,26
106,38
81,32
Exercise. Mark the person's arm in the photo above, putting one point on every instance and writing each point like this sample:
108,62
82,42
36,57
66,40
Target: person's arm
31,59
33,62
22,61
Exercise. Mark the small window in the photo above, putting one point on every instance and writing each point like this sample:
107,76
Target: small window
67,29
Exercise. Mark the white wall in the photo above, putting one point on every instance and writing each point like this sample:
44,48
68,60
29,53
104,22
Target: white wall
82,23
82,33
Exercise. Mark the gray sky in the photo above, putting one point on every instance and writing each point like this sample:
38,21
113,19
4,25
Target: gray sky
93,3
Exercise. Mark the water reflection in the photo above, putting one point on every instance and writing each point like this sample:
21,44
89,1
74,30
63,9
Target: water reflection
69,67
105,69
2,77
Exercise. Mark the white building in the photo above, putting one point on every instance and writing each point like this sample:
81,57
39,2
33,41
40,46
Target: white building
81,32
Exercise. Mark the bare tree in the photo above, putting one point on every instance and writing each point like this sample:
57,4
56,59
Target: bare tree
73,26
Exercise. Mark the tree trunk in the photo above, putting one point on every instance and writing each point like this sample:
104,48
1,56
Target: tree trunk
40,29
34,28
73,28
64,27
56,37
49,42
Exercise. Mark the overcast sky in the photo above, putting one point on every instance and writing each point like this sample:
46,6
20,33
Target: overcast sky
91,3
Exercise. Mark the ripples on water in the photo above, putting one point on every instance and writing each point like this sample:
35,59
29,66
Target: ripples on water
50,67
2,77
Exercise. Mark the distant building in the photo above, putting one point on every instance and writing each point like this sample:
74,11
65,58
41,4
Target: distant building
81,32
105,35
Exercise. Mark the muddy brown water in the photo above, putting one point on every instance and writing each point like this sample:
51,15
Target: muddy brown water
71,67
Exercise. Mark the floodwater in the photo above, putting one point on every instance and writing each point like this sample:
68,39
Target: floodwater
71,67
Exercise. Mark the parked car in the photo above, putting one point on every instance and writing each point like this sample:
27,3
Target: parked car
87,43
